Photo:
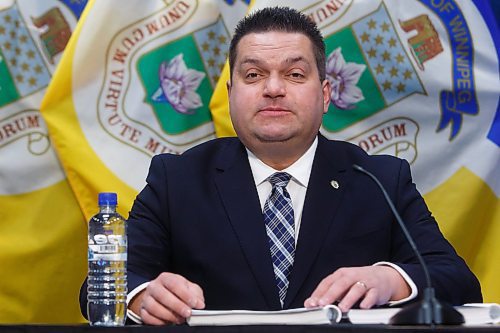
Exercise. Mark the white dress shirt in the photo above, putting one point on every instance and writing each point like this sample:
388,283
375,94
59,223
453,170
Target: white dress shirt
297,187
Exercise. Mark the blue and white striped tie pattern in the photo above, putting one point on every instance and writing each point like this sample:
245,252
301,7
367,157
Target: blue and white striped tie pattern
278,217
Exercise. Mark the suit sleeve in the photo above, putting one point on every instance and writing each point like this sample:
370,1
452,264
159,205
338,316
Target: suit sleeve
148,241
450,276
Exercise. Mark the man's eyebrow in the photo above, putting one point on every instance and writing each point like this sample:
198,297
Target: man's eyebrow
293,60
251,61
296,59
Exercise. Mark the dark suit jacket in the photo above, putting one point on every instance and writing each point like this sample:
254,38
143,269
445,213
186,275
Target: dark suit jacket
199,216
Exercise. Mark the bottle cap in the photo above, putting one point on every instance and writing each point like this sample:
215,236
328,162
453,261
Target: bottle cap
107,198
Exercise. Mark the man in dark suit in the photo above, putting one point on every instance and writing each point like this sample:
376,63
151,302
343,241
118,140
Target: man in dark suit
198,232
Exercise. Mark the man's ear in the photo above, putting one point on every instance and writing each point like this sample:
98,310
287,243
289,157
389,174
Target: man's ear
327,92
228,86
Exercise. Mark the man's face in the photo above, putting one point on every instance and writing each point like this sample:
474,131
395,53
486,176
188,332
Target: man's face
275,95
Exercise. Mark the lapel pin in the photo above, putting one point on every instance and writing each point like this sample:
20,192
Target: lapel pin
335,184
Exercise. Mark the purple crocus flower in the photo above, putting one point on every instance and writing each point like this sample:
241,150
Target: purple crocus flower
343,78
178,86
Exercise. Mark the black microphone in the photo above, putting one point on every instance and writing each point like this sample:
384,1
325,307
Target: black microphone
428,311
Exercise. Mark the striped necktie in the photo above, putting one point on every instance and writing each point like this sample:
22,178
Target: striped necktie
278,217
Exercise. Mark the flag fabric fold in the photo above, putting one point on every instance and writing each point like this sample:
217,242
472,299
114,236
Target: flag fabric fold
140,87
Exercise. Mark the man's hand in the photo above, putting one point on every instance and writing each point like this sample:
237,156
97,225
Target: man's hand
374,285
167,299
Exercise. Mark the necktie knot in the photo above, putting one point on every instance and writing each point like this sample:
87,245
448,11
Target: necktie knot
280,179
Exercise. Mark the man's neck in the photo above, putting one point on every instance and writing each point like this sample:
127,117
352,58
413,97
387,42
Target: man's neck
279,155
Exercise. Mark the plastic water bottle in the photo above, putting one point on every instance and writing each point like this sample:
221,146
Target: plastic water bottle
107,259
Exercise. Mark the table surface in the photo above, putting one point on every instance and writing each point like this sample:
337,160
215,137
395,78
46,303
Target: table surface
338,328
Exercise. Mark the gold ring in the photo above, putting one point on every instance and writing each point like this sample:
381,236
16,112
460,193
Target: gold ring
362,284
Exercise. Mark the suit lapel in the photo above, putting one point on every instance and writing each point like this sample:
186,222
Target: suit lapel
236,187
320,207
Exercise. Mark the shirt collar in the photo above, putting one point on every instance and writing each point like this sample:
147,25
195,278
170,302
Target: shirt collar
300,170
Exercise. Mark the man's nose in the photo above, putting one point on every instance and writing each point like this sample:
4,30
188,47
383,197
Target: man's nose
275,86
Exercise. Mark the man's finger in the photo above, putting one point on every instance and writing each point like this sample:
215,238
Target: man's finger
166,318
370,299
335,292
168,301
186,291
355,293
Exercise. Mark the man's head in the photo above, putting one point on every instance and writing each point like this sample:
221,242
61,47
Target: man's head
282,19
277,91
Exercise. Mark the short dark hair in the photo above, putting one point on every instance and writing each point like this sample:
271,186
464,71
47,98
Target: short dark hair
282,19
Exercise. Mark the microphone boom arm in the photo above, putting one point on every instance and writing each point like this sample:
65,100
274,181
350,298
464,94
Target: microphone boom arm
430,310
400,222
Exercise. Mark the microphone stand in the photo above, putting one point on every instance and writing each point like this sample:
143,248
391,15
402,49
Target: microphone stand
429,310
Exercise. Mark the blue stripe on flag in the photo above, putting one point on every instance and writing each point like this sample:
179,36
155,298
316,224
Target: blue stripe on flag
490,10
231,2
494,133
76,6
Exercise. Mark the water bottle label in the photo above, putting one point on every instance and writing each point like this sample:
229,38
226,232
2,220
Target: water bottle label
94,256
107,247
101,239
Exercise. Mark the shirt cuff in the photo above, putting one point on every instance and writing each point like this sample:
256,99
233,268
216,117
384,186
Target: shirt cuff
406,277
130,314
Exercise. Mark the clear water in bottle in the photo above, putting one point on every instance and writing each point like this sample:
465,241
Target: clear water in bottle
107,260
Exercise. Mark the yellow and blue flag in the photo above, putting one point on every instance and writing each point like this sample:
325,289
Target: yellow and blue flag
42,230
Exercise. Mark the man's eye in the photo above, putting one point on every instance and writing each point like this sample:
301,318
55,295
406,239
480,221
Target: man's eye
296,75
252,75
